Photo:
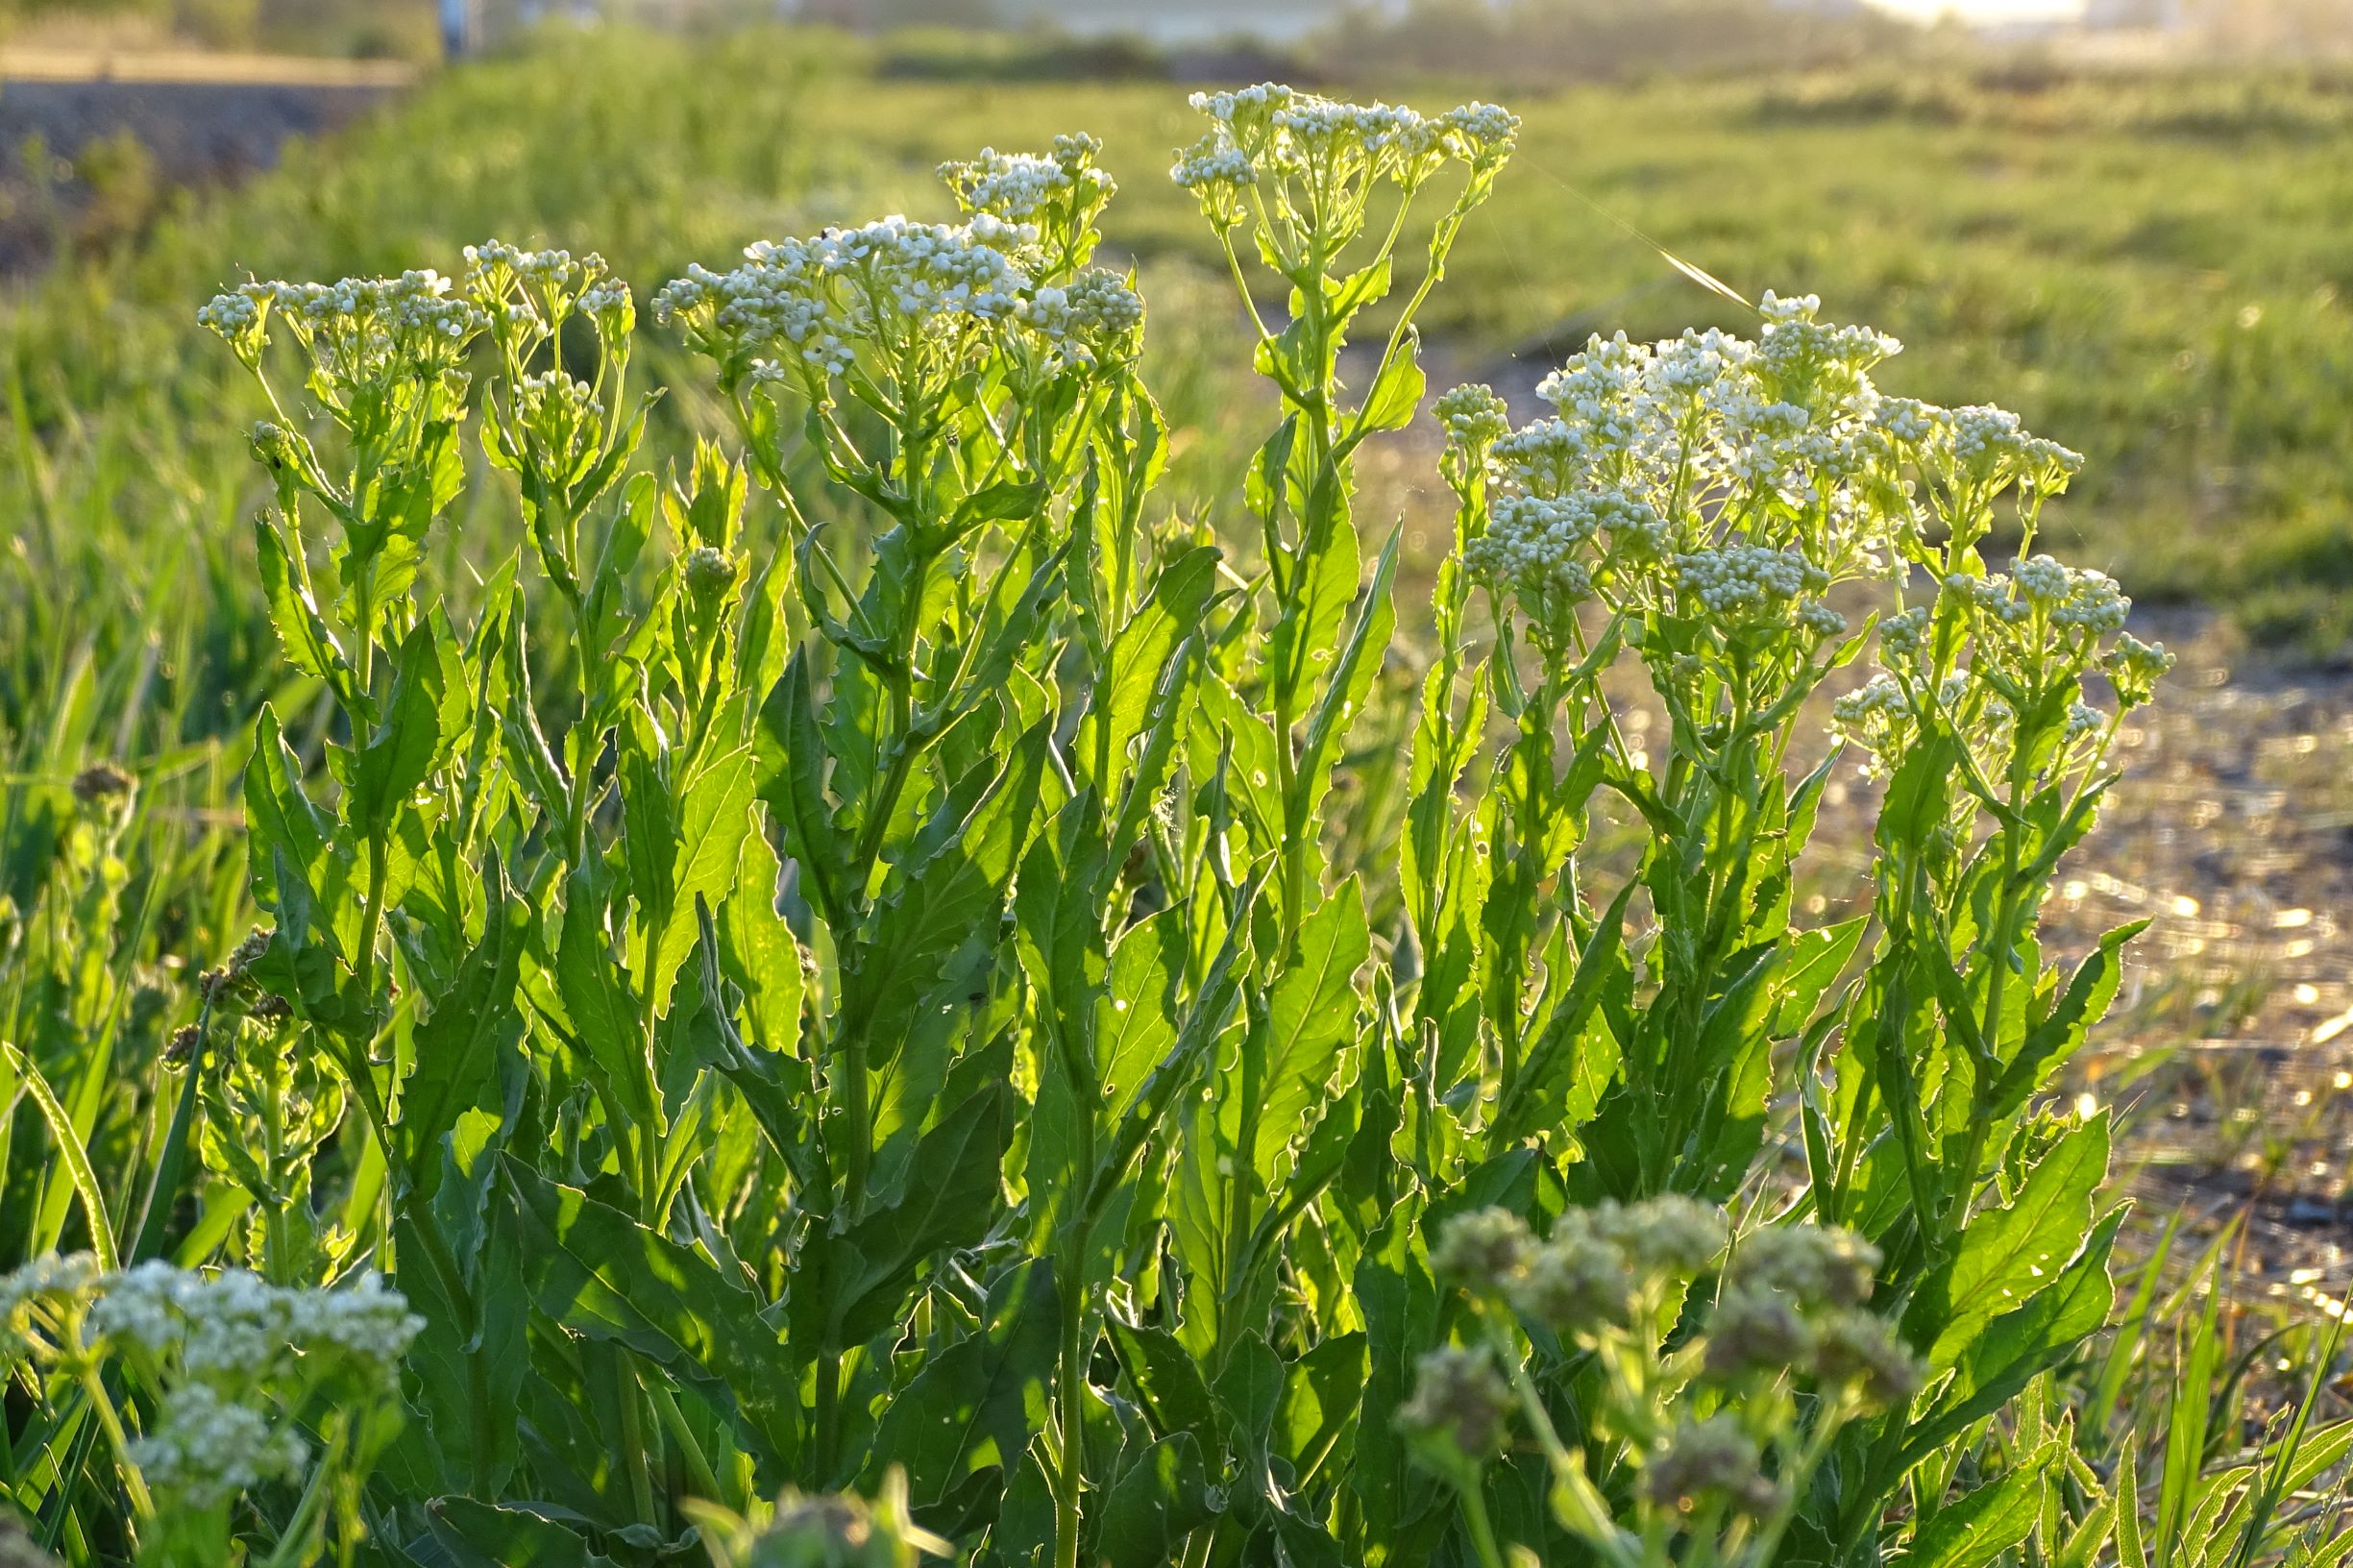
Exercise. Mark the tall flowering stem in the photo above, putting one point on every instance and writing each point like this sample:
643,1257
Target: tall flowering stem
1307,179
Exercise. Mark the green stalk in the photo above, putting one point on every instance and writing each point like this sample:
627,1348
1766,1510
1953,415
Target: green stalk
111,1423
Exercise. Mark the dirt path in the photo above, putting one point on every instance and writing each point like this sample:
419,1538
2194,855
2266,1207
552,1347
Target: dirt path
93,142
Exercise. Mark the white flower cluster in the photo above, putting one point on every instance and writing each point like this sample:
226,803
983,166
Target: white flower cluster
897,286
234,1327
1473,417
494,261
2043,592
205,1448
2134,668
1761,472
35,1295
1096,316
1979,444
1989,442
1882,719
226,1349
1271,131
1533,546
357,330
1022,187
1750,582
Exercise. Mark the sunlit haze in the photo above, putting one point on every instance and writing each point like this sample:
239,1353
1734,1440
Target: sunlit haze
1986,11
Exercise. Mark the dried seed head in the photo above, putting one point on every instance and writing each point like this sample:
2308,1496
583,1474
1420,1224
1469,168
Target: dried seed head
102,781
182,1047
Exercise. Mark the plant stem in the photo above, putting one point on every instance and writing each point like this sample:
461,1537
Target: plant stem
110,1422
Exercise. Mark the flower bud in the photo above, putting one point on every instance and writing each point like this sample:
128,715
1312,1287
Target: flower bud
1484,1250
1575,1285
1459,1402
1706,1460
1860,1352
837,1531
1755,1331
709,574
1817,1265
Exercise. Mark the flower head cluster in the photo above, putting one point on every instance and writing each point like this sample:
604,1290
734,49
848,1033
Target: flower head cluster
1733,479
2134,668
1756,583
923,298
358,332
1793,1300
1460,1407
1710,1462
1473,417
206,1447
1600,1270
1095,318
1883,717
1062,194
233,1355
235,1327
1270,132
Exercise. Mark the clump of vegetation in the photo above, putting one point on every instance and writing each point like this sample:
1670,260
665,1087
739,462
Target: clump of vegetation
883,959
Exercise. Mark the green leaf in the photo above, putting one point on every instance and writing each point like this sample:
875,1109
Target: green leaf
503,1536
1994,1367
1155,1504
949,890
1311,1012
952,1194
620,1056
1007,500
66,1143
788,775
1811,962
310,646
597,1272
1139,652
1342,697
2058,1035
2010,1254
1978,1529
1320,1399
759,954
714,817
409,738
975,1401
1396,395
472,1023
1165,1378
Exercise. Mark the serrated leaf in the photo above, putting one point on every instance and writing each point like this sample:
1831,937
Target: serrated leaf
2009,1255
1978,1529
